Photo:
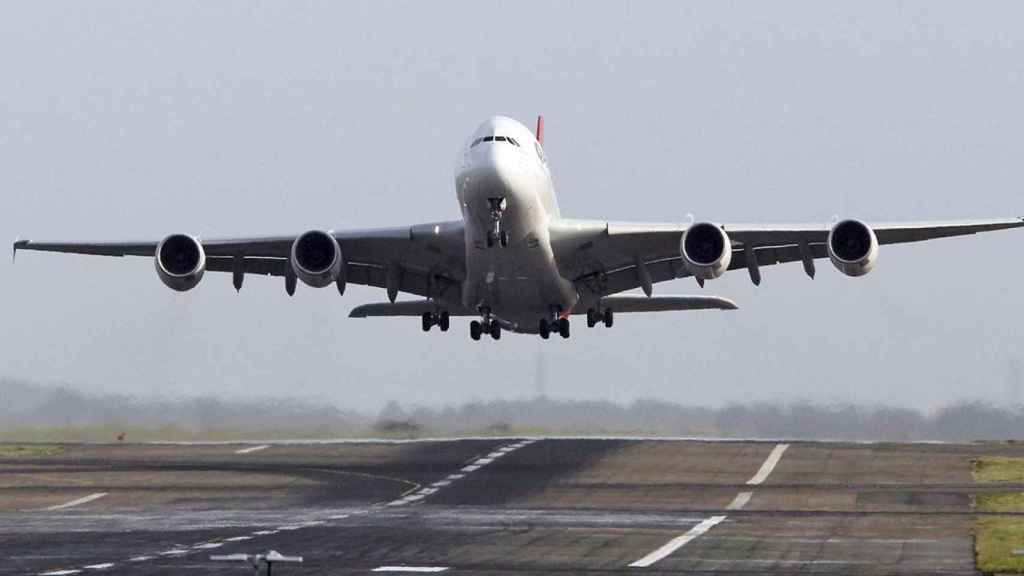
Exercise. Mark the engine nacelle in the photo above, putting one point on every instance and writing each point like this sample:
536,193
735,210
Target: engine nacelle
180,262
706,250
853,247
317,259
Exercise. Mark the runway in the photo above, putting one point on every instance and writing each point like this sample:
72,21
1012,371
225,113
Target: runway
495,506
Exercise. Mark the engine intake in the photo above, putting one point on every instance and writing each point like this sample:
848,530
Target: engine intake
853,247
180,262
706,250
317,259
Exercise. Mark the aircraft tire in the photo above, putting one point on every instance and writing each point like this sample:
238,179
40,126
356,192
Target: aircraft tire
427,321
563,327
475,330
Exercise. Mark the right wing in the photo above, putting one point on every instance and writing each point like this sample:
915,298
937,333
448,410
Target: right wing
427,259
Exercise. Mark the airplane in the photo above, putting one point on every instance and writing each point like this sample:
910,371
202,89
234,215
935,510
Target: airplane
512,262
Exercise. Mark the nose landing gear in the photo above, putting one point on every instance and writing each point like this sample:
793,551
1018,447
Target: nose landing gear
496,235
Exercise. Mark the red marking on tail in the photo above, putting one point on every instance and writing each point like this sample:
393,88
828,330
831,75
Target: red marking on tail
540,129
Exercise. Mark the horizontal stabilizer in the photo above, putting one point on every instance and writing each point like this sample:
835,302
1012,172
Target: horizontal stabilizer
406,308
666,303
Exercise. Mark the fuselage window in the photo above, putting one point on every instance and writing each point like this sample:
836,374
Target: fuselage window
476,142
499,138
488,138
512,140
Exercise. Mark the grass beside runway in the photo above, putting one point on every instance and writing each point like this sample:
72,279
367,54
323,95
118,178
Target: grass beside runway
29,450
997,537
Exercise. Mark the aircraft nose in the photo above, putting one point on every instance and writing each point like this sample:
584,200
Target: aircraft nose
501,165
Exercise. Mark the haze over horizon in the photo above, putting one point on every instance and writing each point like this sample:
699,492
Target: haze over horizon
124,120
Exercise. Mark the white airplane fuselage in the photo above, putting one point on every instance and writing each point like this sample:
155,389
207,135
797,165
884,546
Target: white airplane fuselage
518,283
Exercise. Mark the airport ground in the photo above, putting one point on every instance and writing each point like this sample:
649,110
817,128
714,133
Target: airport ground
496,506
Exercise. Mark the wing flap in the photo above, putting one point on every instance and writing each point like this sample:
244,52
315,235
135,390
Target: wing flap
401,308
638,303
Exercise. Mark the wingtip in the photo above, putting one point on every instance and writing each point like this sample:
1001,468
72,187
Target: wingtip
18,243
729,304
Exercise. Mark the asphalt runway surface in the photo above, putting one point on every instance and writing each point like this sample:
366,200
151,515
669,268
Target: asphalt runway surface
495,506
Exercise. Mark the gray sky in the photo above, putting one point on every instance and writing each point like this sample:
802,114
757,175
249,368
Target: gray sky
126,120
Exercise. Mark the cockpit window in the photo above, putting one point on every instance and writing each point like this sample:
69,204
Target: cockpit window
483,139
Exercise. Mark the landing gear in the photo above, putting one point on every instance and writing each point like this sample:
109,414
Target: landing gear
560,325
594,317
488,325
440,319
496,235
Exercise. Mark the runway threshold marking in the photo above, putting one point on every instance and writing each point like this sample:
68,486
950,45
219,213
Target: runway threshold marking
678,542
421,569
78,502
769,465
252,449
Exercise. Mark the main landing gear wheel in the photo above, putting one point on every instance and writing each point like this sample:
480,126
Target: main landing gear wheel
563,327
475,330
495,330
593,318
544,329
441,319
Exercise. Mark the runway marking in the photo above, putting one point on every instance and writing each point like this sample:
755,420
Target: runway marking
769,465
238,539
99,566
141,558
252,449
428,569
739,501
207,546
79,502
60,572
175,552
264,533
420,493
677,542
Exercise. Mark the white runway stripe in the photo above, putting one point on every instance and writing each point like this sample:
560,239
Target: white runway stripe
421,569
768,465
739,501
99,566
60,572
677,543
252,449
78,502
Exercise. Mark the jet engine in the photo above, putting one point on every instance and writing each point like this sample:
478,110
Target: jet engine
316,258
853,247
180,262
706,250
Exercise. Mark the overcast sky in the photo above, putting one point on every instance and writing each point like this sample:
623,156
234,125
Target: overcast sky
128,120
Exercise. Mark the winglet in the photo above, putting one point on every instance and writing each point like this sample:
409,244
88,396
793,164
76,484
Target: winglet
18,243
540,129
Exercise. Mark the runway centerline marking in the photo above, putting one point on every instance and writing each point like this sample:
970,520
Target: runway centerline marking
769,465
739,501
252,449
103,566
678,542
60,573
422,569
78,502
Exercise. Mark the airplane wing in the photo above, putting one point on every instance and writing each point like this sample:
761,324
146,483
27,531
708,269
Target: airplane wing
427,259
627,303
606,258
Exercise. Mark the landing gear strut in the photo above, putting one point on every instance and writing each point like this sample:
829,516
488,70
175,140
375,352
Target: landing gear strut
488,325
594,317
440,319
496,235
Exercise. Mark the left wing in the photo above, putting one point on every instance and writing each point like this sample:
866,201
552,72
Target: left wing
606,257
427,259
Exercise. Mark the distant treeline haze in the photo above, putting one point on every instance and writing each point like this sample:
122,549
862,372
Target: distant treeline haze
34,412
